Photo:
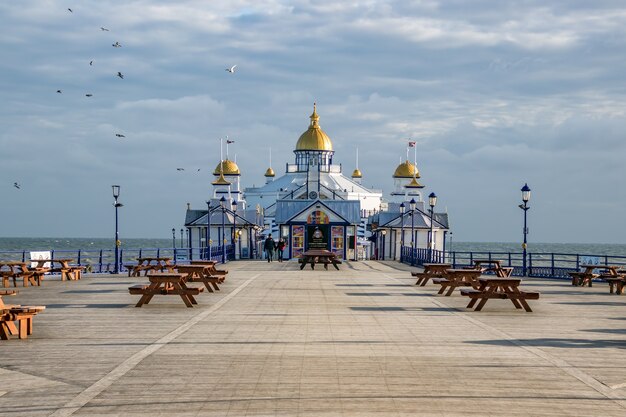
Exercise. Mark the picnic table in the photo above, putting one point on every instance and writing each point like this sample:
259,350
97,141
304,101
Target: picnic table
32,276
212,270
586,276
166,283
319,256
12,314
494,265
456,278
616,282
200,273
149,264
431,270
499,287
68,272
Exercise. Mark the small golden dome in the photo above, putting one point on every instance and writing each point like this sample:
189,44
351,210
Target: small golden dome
414,184
357,173
314,139
270,172
406,170
221,180
230,168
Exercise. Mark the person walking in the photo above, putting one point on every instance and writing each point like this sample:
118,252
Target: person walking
268,247
280,246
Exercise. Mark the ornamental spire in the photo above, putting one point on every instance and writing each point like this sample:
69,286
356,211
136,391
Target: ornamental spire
315,119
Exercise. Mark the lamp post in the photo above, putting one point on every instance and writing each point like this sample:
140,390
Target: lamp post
116,194
525,198
384,232
234,235
412,204
432,202
182,242
402,207
207,237
173,238
223,206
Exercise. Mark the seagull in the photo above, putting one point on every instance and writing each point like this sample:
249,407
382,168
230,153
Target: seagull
198,169
90,62
117,45
104,29
16,185
180,169
119,74
231,69
89,95
119,135
59,91
71,11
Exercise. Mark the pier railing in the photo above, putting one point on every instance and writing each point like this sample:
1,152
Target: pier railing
541,265
103,260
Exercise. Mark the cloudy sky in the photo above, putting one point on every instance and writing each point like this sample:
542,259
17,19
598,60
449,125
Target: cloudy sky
496,93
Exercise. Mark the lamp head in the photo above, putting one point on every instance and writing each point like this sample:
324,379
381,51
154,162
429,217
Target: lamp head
173,231
525,193
412,204
234,205
222,202
402,207
384,232
432,200
116,191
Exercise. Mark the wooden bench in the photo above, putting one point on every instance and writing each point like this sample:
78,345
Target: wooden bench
616,284
526,295
166,284
582,278
503,288
23,316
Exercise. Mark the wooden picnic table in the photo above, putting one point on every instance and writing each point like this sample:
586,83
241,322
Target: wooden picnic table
212,269
502,288
431,270
68,272
12,314
200,273
586,277
456,278
319,256
149,264
167,283
494,265
29,275
616,282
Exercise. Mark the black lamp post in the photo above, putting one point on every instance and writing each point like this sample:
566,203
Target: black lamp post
412,204
234,235
116,194
525,198
223,206
182,242
432,202
207,237
383,232
402,207
173,238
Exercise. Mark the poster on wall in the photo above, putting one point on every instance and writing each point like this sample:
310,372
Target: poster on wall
297,241
318,237
337,241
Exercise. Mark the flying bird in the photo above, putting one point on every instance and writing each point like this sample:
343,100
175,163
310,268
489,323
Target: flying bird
230,141
90,62
119,135
231,69
16,185
59,91
104,29
89,95
71,11
119,74
180,169
198,169
117,45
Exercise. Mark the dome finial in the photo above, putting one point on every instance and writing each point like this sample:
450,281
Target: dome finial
314,117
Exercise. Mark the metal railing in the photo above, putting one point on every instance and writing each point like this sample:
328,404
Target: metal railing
541,265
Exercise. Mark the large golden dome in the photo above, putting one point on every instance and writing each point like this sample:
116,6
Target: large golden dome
406,170
314,139
270,172
357,173
230,168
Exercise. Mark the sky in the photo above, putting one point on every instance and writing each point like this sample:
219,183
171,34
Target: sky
495,93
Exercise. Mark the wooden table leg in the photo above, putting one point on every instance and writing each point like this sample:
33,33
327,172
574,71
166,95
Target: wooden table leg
488,291
145,299
335,265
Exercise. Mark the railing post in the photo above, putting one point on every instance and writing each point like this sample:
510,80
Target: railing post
78,257
552,264
100,262
121,262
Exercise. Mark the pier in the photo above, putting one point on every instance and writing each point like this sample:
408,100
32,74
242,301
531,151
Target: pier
279,341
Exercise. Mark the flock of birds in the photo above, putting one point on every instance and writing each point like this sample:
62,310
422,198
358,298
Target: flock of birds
119,74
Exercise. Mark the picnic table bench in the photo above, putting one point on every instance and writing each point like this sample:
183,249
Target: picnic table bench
200,273
499,287
20,269
431,270
456,278
12,314
166,284
493,265
221,273
616,282
586,277
149,264
318,256
68,272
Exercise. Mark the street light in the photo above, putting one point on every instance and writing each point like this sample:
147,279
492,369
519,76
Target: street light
384,232
432,202
525,198
412,204
182,243
223,206
234,235
402,207
116,194
174,239
207,237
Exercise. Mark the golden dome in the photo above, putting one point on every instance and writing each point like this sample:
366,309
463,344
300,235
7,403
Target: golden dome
270,172
314,139
357,173
414,184
221,180
230,168
406,170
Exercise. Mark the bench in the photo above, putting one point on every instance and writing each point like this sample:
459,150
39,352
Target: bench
582,278
616,284
525,295
6,276
503,288
23,315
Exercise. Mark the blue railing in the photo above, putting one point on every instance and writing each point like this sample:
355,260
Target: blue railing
103,260
541,265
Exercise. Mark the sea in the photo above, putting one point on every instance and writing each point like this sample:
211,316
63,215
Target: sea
9,244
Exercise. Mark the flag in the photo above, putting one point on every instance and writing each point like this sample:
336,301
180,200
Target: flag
411,144
230,141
